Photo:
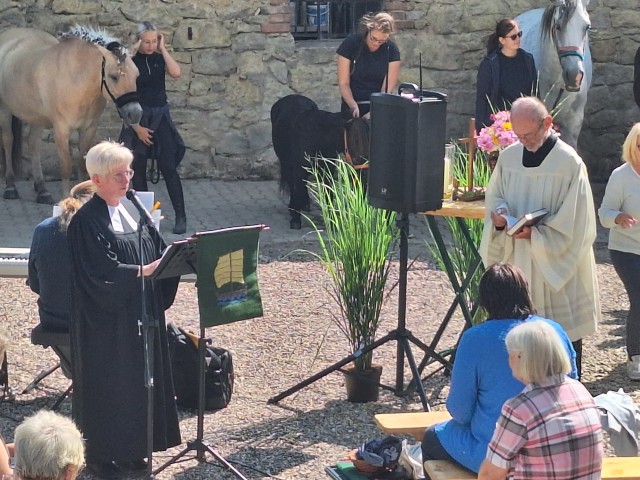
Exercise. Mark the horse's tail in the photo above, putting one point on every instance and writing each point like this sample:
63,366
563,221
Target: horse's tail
285,117
16,147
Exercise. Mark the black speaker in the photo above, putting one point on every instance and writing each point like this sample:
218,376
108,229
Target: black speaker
406,164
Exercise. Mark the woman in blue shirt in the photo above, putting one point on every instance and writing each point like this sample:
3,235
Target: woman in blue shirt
481,380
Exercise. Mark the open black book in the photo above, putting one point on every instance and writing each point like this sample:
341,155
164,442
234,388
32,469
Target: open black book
515,225
179,258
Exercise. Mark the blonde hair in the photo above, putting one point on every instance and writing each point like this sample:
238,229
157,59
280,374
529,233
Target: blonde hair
106,156
630,151
378,21
46,444
540,350
79,195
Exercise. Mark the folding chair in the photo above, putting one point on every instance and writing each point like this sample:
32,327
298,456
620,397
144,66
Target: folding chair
60,343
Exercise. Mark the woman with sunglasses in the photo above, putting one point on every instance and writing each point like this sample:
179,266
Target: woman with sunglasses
505,74
368,62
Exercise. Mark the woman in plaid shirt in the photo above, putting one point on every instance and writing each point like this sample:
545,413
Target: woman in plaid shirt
551,429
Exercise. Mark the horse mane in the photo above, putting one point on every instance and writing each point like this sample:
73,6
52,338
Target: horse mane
96,37
566,10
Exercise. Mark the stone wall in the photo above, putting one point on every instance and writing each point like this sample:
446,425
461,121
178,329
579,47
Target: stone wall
238,58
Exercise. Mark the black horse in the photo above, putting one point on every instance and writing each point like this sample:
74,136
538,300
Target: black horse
300,131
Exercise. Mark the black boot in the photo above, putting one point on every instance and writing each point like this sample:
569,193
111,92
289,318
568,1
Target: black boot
174,188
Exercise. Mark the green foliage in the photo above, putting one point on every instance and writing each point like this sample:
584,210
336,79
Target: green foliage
460,252
356,246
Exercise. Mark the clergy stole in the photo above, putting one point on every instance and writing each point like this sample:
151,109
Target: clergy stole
227,264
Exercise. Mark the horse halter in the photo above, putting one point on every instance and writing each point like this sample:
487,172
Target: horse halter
120,101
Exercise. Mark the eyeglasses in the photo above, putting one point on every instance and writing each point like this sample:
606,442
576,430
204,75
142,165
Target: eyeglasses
515,35
530,135
125,175
379,41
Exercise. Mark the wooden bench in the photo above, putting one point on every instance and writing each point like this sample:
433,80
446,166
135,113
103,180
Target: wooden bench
411,423
415,423
613,468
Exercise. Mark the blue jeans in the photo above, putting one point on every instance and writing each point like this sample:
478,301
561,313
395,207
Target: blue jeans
627,267
432,449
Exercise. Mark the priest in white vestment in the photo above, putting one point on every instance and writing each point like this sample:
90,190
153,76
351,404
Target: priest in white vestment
556,255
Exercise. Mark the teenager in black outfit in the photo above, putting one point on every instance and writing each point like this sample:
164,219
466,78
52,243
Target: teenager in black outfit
156,135
364,61
506,73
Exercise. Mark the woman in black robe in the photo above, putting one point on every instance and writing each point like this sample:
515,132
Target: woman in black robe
110,397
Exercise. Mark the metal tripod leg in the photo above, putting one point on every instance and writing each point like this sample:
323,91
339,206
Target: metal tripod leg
41,376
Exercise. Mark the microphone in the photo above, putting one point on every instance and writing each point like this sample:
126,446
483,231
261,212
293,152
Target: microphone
145,216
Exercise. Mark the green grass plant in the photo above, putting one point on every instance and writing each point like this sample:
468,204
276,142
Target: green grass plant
356,244
460,252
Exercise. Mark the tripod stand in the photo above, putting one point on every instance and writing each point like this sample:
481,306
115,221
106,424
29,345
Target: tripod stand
199,445
400,334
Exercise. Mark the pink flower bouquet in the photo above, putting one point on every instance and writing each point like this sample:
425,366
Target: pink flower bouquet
497,136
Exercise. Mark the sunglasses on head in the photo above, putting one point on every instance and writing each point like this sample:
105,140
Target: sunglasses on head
515,35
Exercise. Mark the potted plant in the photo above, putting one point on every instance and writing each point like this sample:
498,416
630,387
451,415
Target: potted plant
355,248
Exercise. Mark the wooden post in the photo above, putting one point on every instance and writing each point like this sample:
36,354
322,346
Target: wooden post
470,142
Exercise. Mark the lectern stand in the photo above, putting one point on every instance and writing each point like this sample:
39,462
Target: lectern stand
181,258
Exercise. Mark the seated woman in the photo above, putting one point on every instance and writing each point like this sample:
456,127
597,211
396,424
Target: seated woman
481,380
553,425
48,446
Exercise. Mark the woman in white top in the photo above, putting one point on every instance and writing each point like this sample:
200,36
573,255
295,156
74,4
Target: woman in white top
620,212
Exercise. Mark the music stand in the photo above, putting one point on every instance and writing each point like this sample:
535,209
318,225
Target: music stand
181,259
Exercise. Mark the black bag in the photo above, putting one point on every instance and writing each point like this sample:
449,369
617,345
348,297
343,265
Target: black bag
183,348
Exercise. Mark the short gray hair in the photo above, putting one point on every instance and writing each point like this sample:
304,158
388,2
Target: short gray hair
106,156
529,107
540,349
46,445
143,27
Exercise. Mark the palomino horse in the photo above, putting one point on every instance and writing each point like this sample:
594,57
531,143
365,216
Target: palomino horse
558,39
300,131
61,84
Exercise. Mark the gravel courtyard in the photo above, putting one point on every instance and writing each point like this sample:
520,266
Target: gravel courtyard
296,338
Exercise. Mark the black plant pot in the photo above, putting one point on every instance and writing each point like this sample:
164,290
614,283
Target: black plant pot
362,386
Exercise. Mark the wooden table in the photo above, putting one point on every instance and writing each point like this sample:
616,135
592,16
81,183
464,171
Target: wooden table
460,211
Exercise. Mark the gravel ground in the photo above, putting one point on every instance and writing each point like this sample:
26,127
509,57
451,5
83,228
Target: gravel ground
296,338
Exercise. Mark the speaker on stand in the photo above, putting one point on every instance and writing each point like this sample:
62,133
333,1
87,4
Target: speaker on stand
406,175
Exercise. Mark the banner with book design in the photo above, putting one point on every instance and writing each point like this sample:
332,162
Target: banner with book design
227,266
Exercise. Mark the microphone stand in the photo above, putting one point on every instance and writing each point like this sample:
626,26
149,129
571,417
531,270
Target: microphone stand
146,327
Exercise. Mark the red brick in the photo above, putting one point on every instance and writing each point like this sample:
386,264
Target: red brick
280,18
398,16
276,28
396,5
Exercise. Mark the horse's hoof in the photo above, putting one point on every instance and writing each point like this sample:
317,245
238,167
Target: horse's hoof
295,224
11,193
45,199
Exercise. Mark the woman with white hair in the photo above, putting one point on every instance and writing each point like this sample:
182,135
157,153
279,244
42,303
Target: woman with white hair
109,394
552,428
48,446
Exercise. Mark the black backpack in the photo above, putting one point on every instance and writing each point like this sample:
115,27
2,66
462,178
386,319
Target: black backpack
183,349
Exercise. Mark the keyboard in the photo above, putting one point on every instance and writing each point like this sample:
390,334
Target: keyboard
13,262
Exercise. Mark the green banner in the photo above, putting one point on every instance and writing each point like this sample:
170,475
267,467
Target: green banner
227,262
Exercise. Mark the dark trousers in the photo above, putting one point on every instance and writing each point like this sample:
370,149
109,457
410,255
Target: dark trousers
577,346
432,449
627,267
